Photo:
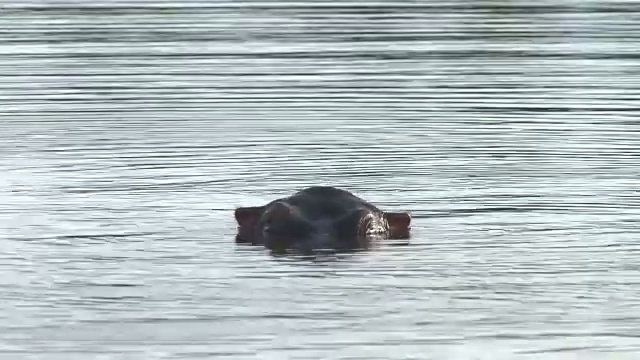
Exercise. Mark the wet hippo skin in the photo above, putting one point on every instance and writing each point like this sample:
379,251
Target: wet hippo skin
319,218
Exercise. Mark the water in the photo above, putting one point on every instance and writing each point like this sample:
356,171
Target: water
132,128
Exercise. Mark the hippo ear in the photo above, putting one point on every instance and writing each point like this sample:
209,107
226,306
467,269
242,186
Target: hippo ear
247,216
399,224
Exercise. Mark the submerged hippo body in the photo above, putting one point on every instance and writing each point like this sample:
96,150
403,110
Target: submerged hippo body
318,218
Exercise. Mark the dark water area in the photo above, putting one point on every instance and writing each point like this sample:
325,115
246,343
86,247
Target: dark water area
130,130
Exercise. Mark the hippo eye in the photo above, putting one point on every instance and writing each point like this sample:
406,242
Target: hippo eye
268,226
366,224
370,224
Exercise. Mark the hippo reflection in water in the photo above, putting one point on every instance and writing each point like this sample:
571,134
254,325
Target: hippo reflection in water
319,218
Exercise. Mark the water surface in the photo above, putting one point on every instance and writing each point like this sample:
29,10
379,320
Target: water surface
131,129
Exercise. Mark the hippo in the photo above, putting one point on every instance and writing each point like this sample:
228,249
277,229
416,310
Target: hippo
319,218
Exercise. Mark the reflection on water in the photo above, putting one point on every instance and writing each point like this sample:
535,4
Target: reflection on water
131,129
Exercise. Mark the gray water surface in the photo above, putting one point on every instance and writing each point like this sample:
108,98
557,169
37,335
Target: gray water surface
130,130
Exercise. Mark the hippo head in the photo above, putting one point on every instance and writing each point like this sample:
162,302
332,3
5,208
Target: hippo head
305,223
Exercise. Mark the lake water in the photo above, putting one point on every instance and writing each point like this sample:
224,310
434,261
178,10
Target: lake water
130,130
